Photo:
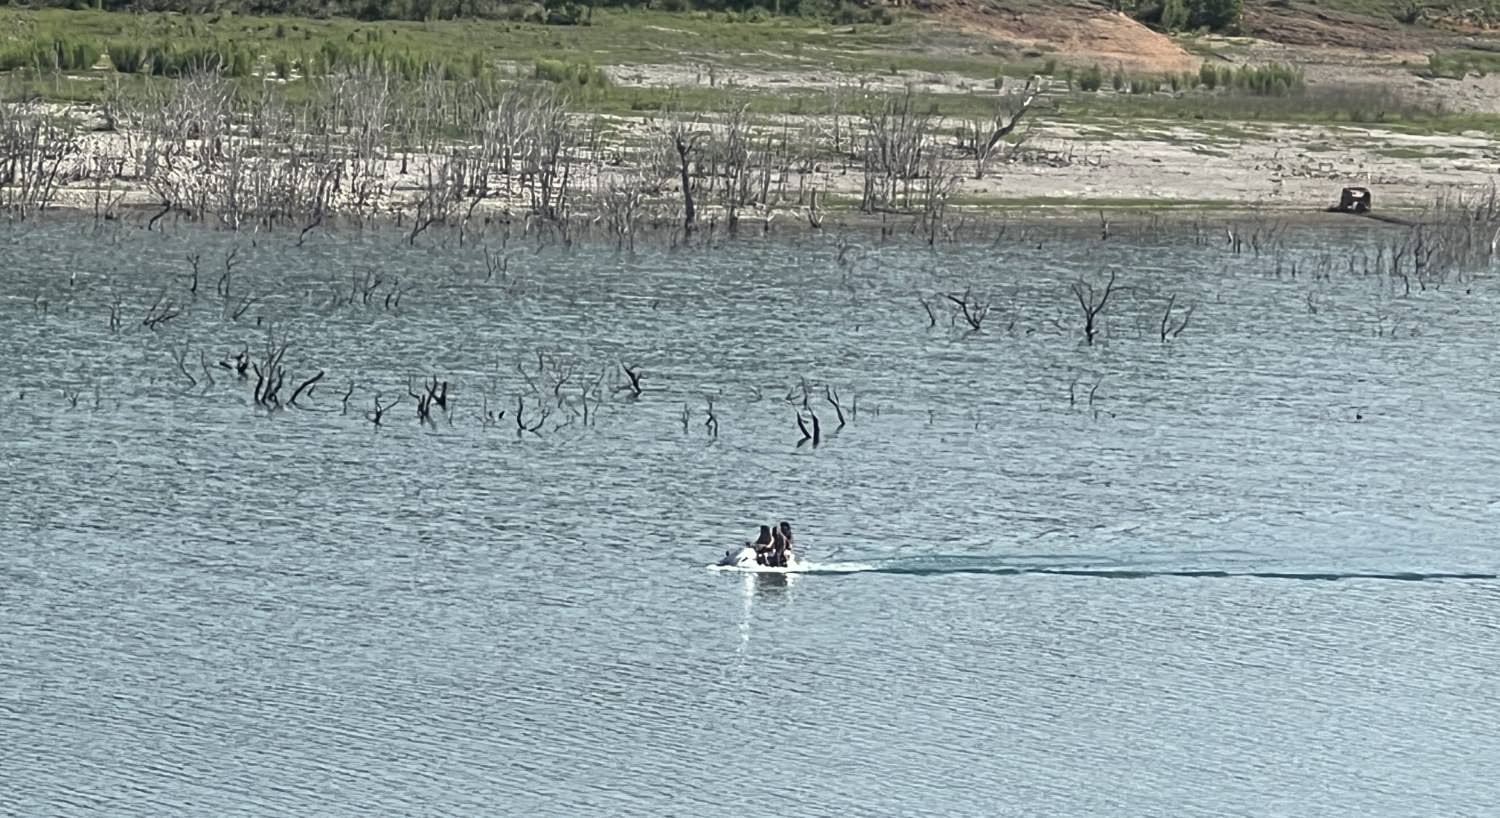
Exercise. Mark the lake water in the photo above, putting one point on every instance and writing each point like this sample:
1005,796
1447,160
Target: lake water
1249,571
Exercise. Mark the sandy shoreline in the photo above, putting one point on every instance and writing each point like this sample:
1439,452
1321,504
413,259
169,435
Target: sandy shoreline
1063,167
1159,166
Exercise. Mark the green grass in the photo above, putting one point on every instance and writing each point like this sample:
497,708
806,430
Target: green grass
1403,11
1409,152
1459,63
617,37
462,49
1327,106
1076,203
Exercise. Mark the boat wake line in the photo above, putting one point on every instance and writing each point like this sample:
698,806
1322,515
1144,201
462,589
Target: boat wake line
999,566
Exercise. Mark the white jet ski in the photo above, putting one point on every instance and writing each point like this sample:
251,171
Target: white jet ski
743,559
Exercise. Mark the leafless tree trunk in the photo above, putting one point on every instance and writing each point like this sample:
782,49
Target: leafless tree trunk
684,138
1092,304
895,143
985,136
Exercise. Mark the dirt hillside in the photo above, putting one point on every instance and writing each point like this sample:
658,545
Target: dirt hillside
1076,31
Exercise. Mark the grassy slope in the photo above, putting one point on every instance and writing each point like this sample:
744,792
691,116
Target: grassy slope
623,38
617,37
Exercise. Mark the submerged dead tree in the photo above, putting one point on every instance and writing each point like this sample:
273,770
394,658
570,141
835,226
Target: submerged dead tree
1092,304
970,307
1168,330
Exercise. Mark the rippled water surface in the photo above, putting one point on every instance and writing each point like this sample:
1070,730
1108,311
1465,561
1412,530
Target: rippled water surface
1249,571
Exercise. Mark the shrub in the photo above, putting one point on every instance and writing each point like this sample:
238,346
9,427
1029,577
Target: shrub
564,72
1218,15
1174,15
78,55
15,56
1273,80
127,58
1092,79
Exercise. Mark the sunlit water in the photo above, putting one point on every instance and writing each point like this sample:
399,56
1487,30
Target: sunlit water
1250,571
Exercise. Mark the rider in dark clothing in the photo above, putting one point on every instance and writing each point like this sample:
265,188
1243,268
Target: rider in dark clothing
762,546
778,549
785,530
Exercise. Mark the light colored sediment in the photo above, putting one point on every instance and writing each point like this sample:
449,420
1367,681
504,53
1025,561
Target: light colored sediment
1063,163
1146,163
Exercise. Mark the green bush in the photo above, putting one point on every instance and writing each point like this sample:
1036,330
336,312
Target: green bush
1208,76
78,55
127,57
1273,80
1174,15
13,57
1092,79
564,72
1218,15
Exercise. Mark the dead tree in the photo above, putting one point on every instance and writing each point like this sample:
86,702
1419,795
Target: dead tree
684,140
686,146
937,186
180,356
521,425
591,389
931,318
379,411
225,282
34,145
1008,114
432,393
622,202
269,372
712,423
161,311
1092,304
895,144
634,385
208,374
193,259
1167,330
832,397
310,383
973,313
241,363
